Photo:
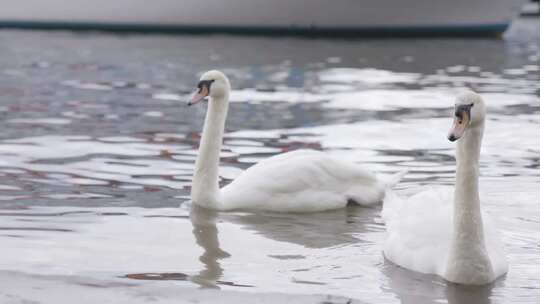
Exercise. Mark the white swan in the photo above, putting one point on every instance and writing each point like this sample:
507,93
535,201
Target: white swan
298,181
444,233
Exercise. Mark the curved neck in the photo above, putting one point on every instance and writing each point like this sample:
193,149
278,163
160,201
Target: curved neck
205,187
466,196
468,235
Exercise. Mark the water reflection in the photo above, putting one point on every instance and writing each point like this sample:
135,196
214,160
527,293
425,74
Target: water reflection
206,235
457,294
417,288
315,230
90,127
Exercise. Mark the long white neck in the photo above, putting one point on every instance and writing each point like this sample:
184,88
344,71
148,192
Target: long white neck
205,187
468,261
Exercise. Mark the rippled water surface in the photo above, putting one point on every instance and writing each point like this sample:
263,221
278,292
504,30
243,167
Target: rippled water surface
97,151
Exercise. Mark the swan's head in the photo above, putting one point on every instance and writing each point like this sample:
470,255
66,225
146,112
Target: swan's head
212,83
469,112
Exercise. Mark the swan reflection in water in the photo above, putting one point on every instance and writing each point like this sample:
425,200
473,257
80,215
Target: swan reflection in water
313,231
418,288
206,235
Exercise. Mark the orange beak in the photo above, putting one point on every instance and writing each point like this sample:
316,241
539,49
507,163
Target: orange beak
461,121
199,95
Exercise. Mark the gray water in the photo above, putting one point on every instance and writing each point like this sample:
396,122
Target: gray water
97,150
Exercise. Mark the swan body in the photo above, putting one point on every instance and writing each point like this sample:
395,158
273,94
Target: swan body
298,181
442,230
303,181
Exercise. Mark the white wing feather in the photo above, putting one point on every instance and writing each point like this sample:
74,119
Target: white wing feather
302,181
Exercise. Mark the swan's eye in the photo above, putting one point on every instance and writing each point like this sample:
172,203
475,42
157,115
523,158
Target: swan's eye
461,109
204,84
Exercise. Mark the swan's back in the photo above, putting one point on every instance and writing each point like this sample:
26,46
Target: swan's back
302,181
419,232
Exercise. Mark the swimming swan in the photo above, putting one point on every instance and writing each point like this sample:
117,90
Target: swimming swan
298,181
444,233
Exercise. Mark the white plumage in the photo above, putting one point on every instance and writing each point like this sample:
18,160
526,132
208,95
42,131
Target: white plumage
443,230
303,181
420,229
298,181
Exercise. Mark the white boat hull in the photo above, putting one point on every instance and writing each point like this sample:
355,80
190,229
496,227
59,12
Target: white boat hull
252,15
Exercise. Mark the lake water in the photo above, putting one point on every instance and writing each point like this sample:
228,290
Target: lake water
97,150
